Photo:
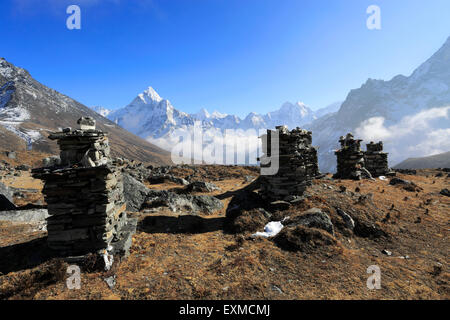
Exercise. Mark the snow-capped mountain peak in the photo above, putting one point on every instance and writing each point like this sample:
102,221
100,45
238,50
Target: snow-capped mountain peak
149,96
202,115
104,112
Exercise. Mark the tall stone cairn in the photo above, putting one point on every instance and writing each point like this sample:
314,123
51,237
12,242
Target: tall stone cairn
350,158
84,193
375,160
298,164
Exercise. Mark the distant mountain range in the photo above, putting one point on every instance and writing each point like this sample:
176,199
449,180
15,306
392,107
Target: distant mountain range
441,160
153,117
409,114
30,110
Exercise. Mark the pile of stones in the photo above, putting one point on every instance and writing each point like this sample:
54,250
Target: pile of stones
85,197
86,146
375,160
354,163
350,158
297,159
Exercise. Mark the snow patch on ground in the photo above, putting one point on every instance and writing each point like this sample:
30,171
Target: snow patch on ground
270,230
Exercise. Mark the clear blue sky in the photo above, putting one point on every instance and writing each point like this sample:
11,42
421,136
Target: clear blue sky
235,56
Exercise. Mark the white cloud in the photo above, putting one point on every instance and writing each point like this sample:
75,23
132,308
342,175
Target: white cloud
422,134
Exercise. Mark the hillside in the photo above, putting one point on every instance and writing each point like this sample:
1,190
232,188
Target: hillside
409,113
441,160
30,110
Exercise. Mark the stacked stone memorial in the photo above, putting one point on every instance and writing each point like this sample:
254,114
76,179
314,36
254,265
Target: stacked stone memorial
350,159
297,162
375,160
84,193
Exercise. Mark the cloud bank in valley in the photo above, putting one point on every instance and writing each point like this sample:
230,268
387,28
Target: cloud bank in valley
422,134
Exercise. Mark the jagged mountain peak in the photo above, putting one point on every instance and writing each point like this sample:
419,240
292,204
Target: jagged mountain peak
150,95
12,73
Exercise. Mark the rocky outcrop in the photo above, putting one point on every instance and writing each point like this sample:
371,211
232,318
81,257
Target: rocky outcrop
6,198
312,218
134,192
182,202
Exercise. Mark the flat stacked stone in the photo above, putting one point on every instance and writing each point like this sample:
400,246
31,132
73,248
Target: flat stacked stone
84,193
88,146
350,158
375,160
298,164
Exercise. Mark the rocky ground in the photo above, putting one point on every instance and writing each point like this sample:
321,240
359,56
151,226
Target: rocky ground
195,239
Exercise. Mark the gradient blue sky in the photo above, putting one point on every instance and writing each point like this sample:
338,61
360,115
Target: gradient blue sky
233,56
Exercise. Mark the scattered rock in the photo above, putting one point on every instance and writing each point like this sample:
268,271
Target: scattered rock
368,230
249,178
135,193
395,181
312,218
201,186
33,215
111,281
51,161
11,154
386,252
301,238
407,185
6,198
349,222
182,202
445,192
23,167
163,178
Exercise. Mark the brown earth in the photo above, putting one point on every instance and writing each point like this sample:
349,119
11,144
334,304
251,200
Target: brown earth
176,256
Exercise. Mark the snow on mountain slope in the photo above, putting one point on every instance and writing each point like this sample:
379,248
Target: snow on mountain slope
29,111
101,111
156,120
385,105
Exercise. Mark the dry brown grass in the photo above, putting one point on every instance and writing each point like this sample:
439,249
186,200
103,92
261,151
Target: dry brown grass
207,263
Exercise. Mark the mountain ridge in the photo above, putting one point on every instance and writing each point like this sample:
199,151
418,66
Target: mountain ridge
29,111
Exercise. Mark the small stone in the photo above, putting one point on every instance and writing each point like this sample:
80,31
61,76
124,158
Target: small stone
111,281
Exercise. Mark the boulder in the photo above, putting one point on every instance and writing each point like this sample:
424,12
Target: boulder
182,202
11,154
157,179
201,186
6,198
312,218
395,181
33,215
301,238
134,192
445,192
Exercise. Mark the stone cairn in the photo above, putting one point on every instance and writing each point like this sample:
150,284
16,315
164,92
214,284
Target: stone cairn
375,160
298,164
84,194
350,159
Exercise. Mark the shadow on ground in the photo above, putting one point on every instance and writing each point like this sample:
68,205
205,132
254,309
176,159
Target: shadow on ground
183,224
24,255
